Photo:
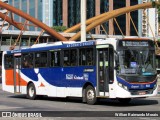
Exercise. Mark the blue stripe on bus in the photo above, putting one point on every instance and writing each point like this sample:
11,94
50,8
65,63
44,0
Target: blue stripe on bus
136,86
64,77
30,73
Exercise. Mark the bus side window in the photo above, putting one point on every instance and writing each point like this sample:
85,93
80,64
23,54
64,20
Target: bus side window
8,61
41,59
86,56
55,58
73,57
27,60
70,57
82,57
89,54
66,58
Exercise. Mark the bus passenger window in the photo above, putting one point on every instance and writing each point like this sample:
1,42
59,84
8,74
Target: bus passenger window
8,61
82,57
27,60
73,57
89,55
70,57
55,58
86,56
41,59
66,58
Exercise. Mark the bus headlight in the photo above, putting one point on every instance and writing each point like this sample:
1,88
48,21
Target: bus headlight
120,84
155,86
123,86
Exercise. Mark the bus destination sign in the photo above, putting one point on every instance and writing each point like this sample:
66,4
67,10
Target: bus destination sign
134,43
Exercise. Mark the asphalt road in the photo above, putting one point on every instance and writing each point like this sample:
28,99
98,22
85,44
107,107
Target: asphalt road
12,102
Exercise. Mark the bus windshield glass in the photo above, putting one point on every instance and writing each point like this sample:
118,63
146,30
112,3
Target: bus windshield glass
137,61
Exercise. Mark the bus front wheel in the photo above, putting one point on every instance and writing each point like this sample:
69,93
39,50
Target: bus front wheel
31,91
90,95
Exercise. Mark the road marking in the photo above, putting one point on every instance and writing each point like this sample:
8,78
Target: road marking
8,107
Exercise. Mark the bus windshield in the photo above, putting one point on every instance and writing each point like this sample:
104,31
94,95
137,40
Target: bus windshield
136,61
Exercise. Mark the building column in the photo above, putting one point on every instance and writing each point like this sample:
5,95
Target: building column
128,19
65,12
111,26
28,6
97,12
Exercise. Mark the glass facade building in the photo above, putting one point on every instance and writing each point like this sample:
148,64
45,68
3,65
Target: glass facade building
123,19
67,13
57,13
73,12
120,19
32,7
134,16
104,7
96,7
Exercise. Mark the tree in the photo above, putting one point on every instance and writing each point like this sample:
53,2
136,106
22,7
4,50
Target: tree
59,28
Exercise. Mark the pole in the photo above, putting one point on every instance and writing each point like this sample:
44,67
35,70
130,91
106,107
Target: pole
83,20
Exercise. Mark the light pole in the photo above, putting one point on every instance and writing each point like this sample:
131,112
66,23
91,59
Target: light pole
83,20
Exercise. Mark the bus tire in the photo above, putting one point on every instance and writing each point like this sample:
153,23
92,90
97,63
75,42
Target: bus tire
90,95
31,91
124,100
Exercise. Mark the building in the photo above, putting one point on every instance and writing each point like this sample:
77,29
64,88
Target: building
149,20
67,13
32,7
4,11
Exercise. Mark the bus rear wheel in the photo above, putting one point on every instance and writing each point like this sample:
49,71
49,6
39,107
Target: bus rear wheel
90,95
31,91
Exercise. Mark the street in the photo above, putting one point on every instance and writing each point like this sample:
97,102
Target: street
12,102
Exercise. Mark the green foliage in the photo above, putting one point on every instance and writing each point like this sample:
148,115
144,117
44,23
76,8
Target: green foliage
59,28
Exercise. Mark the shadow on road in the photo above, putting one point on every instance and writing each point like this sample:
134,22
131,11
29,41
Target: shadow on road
134,102
107,102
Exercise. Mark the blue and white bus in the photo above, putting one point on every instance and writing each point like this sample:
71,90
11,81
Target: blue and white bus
158,64
113,68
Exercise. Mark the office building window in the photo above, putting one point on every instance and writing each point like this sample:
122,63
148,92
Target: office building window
134,16
90,8
57,13
73,12
120,19
104,7
24,8
16,17
39,12
32,12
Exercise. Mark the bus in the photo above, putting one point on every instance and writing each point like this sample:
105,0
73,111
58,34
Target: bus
158,64
120,69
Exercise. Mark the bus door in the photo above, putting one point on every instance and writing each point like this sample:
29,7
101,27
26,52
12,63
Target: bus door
104,72
16,74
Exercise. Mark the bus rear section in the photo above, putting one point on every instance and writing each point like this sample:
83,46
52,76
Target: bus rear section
11,74
67,70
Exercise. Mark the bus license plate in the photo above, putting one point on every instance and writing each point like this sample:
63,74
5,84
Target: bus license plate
142,93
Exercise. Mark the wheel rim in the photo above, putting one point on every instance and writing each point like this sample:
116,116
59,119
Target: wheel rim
31,91
90,94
